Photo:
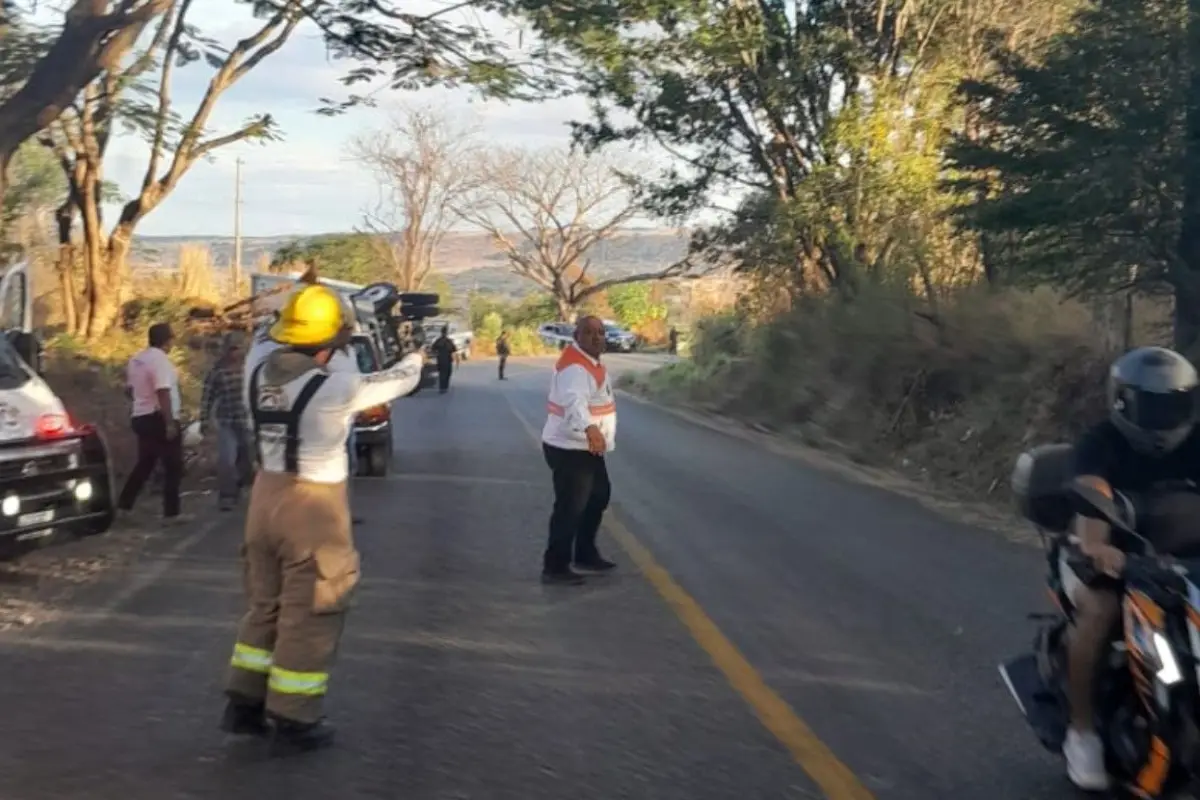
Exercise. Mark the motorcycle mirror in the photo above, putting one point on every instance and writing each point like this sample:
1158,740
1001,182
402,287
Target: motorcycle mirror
1094,504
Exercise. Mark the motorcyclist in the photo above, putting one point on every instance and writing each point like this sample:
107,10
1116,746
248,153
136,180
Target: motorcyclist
1148,443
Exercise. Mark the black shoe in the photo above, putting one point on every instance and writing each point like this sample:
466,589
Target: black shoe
596,565
291,737
244,719
563,577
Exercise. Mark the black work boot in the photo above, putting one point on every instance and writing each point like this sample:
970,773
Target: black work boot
244,718
292,737
561,577
595,565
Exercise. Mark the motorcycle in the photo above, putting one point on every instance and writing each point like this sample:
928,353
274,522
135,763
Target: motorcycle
1147,692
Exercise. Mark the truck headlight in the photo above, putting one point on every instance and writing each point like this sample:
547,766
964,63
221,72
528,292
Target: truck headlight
83,491
10,506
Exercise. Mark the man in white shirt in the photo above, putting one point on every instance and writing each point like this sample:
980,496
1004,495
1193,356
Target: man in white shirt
153,385
301,565
581,426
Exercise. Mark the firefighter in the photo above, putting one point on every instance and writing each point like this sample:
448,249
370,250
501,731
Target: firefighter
300,564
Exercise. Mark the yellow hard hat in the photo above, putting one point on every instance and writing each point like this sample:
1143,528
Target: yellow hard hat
314,316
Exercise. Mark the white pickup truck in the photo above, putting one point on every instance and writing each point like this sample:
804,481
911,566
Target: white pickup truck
55,477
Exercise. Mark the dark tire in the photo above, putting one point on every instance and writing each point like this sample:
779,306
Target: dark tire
418,312
383,296
379,461
420,298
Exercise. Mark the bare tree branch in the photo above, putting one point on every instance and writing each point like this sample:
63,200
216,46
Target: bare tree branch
422,164
548,211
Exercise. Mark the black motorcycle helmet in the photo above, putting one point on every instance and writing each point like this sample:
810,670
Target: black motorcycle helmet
1152,399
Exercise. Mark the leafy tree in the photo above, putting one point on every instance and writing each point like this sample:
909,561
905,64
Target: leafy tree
635,304
546,210
352,257
381,41
36,187
1081,170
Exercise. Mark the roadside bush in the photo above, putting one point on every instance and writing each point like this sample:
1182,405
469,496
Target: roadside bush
957,395
522,341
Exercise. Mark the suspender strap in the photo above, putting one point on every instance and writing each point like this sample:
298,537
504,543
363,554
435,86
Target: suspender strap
289,419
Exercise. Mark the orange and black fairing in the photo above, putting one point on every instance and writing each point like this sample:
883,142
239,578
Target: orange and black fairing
1143,617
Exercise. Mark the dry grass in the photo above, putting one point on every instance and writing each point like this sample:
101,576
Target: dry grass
955,402
90,376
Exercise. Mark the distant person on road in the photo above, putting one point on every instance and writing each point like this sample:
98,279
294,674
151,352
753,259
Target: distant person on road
299,559
581,423
673,341
444,350
502,351
223,412
153,386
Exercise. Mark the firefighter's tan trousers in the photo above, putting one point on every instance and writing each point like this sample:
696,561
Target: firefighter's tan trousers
300,569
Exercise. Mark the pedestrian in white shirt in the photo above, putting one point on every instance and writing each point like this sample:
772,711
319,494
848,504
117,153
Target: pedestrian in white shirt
581,425
153,385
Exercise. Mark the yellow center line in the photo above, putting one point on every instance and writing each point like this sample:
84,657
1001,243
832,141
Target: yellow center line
835,780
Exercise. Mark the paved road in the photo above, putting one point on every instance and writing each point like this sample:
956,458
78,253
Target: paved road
874,622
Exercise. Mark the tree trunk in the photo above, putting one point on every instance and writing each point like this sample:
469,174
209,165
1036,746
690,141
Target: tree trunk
106,285
566,309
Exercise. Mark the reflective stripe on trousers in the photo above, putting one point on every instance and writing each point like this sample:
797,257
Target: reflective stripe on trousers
308,684
284,681
251,659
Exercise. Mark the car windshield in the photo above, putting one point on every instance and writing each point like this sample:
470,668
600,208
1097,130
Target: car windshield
364,355
12,373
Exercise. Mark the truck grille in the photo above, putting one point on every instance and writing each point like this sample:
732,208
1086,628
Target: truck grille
28,467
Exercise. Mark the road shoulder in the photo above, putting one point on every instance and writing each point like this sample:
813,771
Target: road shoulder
829,461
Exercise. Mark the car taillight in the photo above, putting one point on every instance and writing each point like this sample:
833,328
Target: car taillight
53,426
375,415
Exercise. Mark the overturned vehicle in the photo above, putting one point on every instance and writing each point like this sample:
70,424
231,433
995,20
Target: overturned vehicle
388,326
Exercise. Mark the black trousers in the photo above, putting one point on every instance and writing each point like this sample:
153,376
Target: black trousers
503,361
153,447
444,375
581,494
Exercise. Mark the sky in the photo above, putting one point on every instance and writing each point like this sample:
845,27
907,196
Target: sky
303,184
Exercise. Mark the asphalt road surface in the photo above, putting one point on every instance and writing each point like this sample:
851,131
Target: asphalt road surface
774,632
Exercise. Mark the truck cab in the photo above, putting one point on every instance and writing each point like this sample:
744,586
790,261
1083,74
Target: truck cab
55,477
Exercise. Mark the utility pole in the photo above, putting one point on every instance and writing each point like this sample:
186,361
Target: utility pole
237,226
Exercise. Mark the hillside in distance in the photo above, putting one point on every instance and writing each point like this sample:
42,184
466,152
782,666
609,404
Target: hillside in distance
468,261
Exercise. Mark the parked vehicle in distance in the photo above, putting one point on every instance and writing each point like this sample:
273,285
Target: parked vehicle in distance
556,334
618,339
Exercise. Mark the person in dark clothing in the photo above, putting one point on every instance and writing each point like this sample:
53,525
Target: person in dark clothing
1148,451
502,351
152,385
444,350
673,339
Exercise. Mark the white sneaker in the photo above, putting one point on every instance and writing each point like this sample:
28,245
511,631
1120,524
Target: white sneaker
1084,753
